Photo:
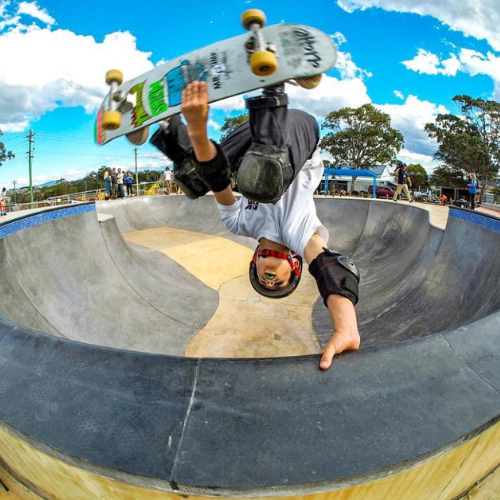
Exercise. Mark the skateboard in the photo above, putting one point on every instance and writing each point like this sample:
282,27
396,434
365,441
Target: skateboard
266,56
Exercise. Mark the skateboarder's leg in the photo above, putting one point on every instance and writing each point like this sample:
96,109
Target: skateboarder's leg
194,177
281,141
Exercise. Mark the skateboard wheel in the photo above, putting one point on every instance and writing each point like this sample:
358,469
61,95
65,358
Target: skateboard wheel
309,82
114,75
111,120
263,63
139,137
253,16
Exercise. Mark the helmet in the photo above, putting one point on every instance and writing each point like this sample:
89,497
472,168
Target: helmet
296,266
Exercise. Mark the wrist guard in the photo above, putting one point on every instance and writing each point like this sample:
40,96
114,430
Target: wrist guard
216,173
335,274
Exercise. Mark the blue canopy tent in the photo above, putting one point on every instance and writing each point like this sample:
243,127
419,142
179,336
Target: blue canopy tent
351,172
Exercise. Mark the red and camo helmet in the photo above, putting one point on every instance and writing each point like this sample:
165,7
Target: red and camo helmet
295,262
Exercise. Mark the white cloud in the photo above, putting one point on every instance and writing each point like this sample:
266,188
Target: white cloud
33,10
410,157
348,69
331,94
410,119
476,18
339,38
231,104
399,94
62,69
466,61
213,124
430,64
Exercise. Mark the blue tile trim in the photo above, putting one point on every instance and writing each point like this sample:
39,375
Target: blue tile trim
39,218
483,220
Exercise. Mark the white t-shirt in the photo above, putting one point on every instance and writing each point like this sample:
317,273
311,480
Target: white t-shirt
291,222
167,175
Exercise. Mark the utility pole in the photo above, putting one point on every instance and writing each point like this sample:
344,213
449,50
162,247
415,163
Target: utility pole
30,163
15,197
136,174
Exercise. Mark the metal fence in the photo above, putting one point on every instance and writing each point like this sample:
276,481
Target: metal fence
145,189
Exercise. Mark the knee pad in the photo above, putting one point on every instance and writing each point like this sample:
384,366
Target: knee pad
335,274
265,173
187,176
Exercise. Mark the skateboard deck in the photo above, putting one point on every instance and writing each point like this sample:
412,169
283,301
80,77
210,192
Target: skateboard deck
301,51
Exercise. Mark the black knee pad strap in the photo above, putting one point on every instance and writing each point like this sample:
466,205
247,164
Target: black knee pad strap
188,177
335,274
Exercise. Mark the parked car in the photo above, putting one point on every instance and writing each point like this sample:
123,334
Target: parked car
381,192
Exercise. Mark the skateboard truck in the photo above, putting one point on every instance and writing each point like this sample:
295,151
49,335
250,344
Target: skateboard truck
112,119
263,56
263,60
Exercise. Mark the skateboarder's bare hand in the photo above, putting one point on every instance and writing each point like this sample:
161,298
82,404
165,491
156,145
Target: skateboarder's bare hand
346,335
194,107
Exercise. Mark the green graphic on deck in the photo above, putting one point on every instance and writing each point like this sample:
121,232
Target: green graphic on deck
139,115
157,98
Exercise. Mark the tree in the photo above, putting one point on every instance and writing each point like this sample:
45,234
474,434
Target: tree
231,124
361,137
467,143
444,176
4,154
418,175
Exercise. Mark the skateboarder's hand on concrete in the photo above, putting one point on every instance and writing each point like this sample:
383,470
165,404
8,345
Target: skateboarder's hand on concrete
345,336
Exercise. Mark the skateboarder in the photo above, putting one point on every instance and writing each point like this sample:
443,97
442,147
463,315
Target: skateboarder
278,169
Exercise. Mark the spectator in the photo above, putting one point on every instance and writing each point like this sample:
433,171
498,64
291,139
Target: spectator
3,196
129,181
119,182
473,190
113,176
107,185
167,178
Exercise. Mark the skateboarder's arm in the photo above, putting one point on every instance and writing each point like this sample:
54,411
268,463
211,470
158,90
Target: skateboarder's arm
345,327
195,109
225,197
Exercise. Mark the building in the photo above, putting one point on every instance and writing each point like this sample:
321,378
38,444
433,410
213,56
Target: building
339,182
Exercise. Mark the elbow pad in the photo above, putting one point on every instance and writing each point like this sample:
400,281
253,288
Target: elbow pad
335,274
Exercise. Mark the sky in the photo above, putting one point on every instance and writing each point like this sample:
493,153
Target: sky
408,58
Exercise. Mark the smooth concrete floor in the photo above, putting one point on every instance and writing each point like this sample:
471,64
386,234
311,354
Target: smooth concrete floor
256,328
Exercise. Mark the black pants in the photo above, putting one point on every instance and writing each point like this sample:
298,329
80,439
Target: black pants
293,128
129,190
472,201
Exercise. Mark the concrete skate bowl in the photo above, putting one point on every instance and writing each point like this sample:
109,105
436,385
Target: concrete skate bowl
98,401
